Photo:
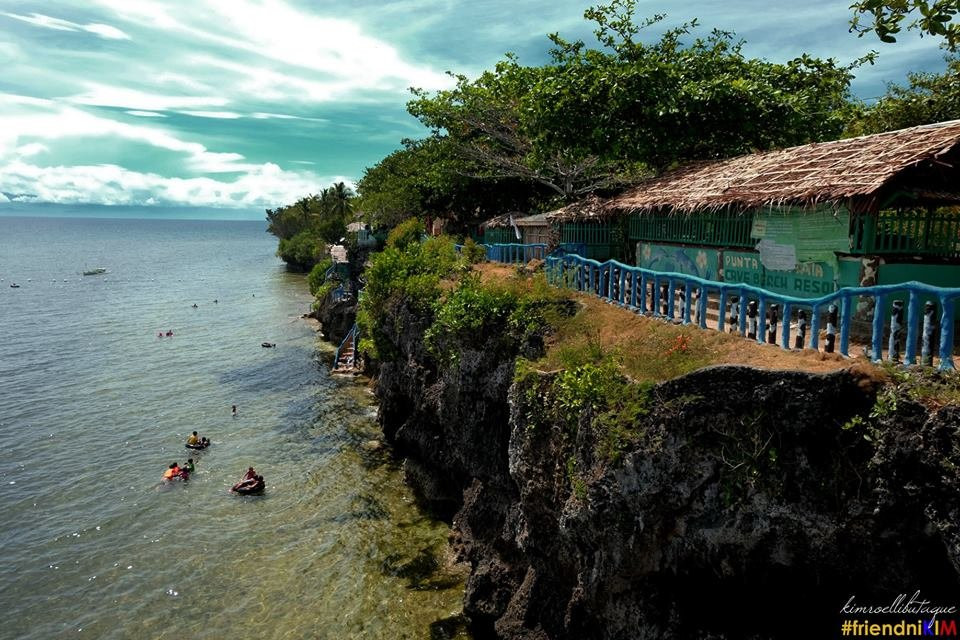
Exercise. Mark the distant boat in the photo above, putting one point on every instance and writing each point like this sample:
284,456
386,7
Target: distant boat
95,272
14,286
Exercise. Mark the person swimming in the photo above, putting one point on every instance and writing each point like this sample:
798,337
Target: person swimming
193,439
172,471
189,466
233,410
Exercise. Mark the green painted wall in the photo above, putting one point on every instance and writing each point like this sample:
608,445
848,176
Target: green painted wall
690,260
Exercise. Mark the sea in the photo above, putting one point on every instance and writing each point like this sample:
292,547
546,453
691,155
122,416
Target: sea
94,405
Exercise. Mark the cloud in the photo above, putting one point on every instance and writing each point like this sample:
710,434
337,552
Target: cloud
264,186
146,114
58,24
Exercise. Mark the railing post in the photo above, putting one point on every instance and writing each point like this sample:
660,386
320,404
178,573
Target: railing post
733,316
752,320
785,329
831,328
702,304
623,282
742,308
877,337
643,292
762,315
610,293
633,288
815,328
671,299
913,326
687,292
946,334
722,310
896,331
655,297
772,333
801,338
845,313
929,319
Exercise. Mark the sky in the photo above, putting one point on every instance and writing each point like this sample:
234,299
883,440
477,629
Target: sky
249,104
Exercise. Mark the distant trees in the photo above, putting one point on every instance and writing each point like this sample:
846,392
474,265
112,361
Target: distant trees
309,224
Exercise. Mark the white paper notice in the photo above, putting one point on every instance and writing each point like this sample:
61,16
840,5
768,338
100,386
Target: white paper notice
777,257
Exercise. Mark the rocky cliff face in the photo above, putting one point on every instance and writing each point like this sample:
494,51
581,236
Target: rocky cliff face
751,504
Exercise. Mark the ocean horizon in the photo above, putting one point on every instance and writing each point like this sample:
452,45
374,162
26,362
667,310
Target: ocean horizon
132,212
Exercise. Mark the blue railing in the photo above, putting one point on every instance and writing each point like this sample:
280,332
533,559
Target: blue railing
347,339
742,308
523,253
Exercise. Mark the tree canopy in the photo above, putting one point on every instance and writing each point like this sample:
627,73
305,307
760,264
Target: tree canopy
886,17
595,118
304,226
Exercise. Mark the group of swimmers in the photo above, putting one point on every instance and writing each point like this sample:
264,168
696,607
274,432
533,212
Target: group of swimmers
251,483
168,334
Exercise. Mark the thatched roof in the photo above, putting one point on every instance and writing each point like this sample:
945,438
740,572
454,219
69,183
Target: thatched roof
590,208
519,219
869,170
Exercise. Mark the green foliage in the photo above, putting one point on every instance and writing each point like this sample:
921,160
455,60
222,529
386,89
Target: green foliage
410,276
473,252
406,233
885,17
318,275
300,251
305,226
594,118
928,98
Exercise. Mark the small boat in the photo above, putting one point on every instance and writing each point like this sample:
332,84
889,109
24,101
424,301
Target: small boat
95,272
14,285
268,345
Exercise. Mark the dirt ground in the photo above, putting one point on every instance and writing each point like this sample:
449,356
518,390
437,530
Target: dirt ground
643,338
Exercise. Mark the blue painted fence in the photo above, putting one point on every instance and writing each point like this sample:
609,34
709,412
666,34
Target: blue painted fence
523,253
756,313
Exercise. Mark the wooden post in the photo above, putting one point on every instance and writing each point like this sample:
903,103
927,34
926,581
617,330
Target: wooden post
801,338
896,331
772,323
913,326
734,315
722,310
752,320
946,334
929,320
831,328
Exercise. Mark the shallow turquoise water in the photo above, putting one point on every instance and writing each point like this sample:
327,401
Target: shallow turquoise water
93,406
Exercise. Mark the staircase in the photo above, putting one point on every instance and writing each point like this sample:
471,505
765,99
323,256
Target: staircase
345,362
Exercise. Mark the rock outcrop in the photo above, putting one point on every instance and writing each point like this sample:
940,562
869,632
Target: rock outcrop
750,503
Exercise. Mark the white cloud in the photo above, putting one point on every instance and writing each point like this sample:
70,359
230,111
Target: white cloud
219,115
102,95
264,186
145,114
4,198
58,24
31,149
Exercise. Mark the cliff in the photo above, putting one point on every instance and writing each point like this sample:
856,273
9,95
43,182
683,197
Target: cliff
732,502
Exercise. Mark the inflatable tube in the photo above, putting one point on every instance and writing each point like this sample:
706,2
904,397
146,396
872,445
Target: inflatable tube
199,447
248,491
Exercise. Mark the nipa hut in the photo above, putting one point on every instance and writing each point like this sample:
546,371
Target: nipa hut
804,221
516,228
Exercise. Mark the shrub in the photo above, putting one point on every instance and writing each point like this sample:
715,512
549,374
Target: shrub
473,252
407,233
300,251
318,275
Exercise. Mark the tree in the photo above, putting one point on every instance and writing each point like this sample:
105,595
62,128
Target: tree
929,98
595,118
885,17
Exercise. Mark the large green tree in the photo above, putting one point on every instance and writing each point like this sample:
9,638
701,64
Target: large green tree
886,18
927,98
594,117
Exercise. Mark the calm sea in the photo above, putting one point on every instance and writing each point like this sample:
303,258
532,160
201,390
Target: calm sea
94,406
